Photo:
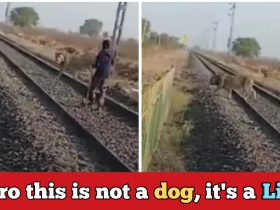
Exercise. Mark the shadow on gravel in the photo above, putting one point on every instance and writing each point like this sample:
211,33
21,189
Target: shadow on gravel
212,144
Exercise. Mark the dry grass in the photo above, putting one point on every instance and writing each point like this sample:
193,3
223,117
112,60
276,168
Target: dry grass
169,156
128,48
156,61
263,70
45,42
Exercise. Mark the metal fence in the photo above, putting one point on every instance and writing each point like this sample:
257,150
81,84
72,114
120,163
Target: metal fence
155,108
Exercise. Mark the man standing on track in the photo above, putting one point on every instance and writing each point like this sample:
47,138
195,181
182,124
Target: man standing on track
103,64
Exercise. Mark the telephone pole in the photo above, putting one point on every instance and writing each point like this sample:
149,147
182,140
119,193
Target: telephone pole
230,38
118,27
7,13
215,29
206,37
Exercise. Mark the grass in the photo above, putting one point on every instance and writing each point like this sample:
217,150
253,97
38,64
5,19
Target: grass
168,156
52,39
264,70
157,60
257,65
128,48
46,41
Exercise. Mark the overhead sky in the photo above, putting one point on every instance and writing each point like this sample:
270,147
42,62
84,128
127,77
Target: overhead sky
69,16
258,20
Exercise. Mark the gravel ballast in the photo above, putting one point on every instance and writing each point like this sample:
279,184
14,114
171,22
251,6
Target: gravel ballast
32,139
112,131
225,136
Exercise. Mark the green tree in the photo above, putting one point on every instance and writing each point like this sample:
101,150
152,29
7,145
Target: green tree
146,28
24,16
246,47
154,37
164,40
91,27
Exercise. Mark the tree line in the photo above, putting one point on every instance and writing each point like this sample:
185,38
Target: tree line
150,37
28,17
246,47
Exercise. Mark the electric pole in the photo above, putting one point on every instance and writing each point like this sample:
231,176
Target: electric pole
145,26
230,38
215,28
118,27
120,16
203,41
7,13
206,37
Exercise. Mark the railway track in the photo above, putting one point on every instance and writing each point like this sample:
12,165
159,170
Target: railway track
112,104
267,106
112,133
227,135
32,137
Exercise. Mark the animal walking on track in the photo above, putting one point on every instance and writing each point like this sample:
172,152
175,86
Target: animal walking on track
230,83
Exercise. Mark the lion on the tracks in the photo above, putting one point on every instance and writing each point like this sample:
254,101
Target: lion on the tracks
63,55
230,83
72,59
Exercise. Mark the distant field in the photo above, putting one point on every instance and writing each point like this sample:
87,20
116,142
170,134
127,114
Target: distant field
263,70
128,48
45,42
156,61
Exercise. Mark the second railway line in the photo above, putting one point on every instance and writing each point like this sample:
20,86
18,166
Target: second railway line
267,105
226,135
